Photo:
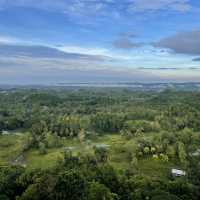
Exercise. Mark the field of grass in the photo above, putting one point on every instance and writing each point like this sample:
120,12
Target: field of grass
35,160
10,148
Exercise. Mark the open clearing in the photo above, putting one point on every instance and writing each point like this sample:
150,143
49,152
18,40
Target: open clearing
11,145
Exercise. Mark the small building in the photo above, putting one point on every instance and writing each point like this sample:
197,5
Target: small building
177,172
5,133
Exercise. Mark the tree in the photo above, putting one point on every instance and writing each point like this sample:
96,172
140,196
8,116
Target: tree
52,140
70,161
8,180
134,162
164,157
99,191
146,150
42,148
171,152
101,154
186,136
107,175
165,196
81,135
107,122
70,185
41,187
38,133
153,149
181,152
183,189
3,197
139,131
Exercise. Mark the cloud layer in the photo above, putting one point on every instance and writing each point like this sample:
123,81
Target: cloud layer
83,7
36,57
40,64
36,51
196,59
182,42
84,38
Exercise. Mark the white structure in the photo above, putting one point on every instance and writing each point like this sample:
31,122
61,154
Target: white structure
177,172
196,153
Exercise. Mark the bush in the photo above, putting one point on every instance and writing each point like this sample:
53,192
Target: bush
42,148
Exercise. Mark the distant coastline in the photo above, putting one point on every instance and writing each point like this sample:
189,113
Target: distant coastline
183,86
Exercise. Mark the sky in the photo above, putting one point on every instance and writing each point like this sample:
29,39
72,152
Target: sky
48,41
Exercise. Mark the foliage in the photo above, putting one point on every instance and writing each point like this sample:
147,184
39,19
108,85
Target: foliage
104,144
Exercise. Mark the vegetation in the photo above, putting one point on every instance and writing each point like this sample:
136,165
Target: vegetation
104,144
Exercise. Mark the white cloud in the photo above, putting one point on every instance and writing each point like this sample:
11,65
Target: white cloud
83,50
96,51
8,39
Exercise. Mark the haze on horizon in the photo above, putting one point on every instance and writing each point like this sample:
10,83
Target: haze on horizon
51,41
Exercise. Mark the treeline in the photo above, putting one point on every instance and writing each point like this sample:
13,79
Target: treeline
66,112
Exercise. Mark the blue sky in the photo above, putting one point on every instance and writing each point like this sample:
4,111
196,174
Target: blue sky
50,41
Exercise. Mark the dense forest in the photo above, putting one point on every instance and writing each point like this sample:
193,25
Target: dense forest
104,144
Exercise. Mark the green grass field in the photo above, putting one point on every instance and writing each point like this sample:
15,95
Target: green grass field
10,148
